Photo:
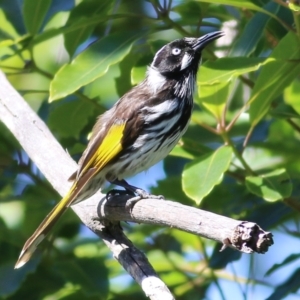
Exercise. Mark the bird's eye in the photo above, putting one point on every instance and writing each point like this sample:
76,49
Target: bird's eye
176,51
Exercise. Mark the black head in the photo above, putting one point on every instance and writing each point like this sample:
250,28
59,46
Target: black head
182,55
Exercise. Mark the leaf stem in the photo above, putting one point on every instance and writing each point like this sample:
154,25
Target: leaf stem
163,14
211,271
238,155
293,124
207,127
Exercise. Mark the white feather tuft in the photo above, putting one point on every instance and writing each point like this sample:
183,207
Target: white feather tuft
155,79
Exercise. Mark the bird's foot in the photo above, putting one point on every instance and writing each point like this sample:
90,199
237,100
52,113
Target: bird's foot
116,192
141,194
135,191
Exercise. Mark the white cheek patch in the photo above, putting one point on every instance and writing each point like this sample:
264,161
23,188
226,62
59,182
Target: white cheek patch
186,61
155,80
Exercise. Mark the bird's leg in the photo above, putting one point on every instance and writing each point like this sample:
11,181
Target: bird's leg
115,192
133,190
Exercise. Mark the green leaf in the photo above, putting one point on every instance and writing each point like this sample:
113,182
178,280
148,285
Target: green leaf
190,11
91,64
291,95
241,4
190,147
289,286
13,12
78,25
214,98
84,11
271,186
224,69
287,260
215,78
11,280
221,260
181,152
200,176
81,272
253,32
34,13
275,76
69,117
294,6
138,74
284,111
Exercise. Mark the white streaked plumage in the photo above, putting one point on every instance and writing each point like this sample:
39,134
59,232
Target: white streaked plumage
154,112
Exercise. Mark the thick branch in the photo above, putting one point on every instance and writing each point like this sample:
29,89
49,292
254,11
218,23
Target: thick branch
47,154
56,165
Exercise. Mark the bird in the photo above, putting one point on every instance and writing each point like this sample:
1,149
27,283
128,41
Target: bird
141,129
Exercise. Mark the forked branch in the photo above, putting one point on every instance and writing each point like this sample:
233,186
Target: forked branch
104,217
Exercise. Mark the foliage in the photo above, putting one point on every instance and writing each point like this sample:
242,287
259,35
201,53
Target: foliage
73,59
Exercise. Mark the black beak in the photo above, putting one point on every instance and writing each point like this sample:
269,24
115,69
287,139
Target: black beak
204,40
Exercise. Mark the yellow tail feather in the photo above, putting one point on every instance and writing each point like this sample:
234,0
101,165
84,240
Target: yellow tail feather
95,162
41,232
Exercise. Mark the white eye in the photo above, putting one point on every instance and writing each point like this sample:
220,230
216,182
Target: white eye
176,51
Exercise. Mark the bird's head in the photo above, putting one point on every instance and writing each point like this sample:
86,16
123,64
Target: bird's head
182,55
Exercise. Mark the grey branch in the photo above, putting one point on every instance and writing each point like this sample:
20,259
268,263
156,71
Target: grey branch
103,218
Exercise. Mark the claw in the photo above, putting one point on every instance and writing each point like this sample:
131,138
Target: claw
132,190
115,192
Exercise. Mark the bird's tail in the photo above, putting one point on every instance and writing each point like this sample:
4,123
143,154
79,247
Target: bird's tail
41,232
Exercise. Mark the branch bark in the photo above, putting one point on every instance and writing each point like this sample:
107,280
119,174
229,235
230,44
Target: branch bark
103,217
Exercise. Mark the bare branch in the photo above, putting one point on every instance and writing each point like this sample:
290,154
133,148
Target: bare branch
103,218
56,165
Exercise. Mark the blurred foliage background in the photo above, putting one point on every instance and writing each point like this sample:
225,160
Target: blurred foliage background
72,59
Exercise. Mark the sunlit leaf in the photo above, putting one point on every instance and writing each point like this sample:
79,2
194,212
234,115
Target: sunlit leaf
201,175
214,97
241,4
291,95
294,6
91,64
181,152
271,186
224,69
138,74
275,76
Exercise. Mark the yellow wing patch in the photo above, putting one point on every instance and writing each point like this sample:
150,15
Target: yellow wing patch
109,148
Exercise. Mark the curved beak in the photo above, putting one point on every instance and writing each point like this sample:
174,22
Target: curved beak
201,42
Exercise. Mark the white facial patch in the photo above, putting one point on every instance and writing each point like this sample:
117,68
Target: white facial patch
155,80
186,61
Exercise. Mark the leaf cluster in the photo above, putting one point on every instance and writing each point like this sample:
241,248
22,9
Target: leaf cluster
72,60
